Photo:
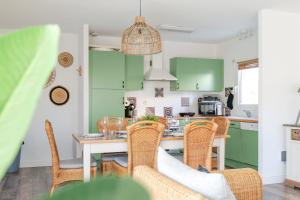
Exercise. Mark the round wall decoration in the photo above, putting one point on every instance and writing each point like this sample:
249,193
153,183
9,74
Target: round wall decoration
65,59
50,79
59,95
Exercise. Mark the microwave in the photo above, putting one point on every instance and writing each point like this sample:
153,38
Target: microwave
210,108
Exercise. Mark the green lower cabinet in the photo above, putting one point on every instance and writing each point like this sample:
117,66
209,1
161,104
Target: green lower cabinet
105,102
233,144
241,148
250,147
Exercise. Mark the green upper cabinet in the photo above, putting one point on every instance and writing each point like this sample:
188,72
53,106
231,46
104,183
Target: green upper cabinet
134,72
107,69
197,74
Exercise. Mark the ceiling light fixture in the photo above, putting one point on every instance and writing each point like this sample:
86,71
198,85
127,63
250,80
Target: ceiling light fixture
166,27
140,38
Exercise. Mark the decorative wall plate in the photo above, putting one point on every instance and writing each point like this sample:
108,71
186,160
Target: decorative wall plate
51,79
65,59
168,111
150,110
159,92
59,95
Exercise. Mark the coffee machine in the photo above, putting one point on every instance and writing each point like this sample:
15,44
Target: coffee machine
210,106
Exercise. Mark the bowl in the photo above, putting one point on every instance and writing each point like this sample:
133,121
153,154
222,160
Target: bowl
191,114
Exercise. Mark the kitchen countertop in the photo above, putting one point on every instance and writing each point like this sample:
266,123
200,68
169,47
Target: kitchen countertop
231,118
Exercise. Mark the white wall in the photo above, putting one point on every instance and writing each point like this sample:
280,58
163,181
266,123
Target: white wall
279,102
233,51
146,98
65,119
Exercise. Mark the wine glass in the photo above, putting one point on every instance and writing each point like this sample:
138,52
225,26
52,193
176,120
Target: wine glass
119,124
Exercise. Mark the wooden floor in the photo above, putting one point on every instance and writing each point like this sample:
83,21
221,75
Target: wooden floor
30,183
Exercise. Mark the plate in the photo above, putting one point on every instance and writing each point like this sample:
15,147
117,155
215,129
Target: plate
93,135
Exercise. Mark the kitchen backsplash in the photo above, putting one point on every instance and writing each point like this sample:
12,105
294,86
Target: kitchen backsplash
145,99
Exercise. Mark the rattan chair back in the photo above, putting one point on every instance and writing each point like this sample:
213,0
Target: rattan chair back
198,141
143,142
112,124
223,125
53,147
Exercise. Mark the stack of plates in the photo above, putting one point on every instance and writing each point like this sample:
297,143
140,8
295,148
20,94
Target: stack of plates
93,136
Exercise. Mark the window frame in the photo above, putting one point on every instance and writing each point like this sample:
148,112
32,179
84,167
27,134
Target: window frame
244,65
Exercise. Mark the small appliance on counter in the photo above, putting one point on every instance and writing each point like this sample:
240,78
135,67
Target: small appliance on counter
210,105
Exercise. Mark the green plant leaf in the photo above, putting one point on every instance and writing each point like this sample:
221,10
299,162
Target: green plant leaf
26,60
103,188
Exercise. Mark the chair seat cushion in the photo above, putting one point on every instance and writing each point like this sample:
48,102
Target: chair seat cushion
122,160
212,186
74,163
111,157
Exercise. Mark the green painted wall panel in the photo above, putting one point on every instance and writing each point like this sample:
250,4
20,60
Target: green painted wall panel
107,69
134,72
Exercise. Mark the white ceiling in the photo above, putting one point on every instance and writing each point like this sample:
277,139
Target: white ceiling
214,20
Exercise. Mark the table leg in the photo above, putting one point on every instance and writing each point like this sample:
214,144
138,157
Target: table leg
221,155
86,162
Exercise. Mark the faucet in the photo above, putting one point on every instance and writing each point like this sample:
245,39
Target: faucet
248,113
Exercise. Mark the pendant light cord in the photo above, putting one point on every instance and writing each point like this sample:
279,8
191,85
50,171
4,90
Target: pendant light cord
140,7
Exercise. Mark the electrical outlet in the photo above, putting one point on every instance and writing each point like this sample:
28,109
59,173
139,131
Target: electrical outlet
283,156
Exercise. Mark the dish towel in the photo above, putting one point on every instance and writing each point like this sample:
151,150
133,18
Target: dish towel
230,101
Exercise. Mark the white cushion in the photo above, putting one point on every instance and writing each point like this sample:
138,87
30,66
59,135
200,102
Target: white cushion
122,160
212,186
74,163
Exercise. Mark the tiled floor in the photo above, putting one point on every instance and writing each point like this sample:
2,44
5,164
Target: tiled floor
31,183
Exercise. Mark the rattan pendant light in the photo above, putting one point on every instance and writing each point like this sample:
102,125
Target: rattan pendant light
140,38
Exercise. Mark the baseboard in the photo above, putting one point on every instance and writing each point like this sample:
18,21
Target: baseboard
40,163
273,179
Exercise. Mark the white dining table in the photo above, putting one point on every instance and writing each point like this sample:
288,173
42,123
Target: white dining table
101,145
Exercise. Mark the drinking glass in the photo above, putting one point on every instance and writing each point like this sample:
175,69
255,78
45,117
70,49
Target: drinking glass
119,124
106,126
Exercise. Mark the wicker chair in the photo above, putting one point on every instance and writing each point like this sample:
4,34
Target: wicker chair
223,126
198,140
107,158
143,141
112,124
245,183
64,170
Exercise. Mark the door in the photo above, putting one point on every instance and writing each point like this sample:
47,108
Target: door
107,69
210,75
233,145
249,154
187,69
134,72
105,102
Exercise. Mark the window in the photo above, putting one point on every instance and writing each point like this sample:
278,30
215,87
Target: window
248,82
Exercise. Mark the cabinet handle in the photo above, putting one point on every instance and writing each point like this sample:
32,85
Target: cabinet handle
123,84
142,85
197,86
177,86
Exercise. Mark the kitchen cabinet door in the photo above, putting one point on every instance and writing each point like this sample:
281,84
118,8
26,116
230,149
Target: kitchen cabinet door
197,74
105,102
185,70
134,72
233,146
107,69
249,154
210,75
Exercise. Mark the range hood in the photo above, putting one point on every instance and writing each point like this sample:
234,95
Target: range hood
156,72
